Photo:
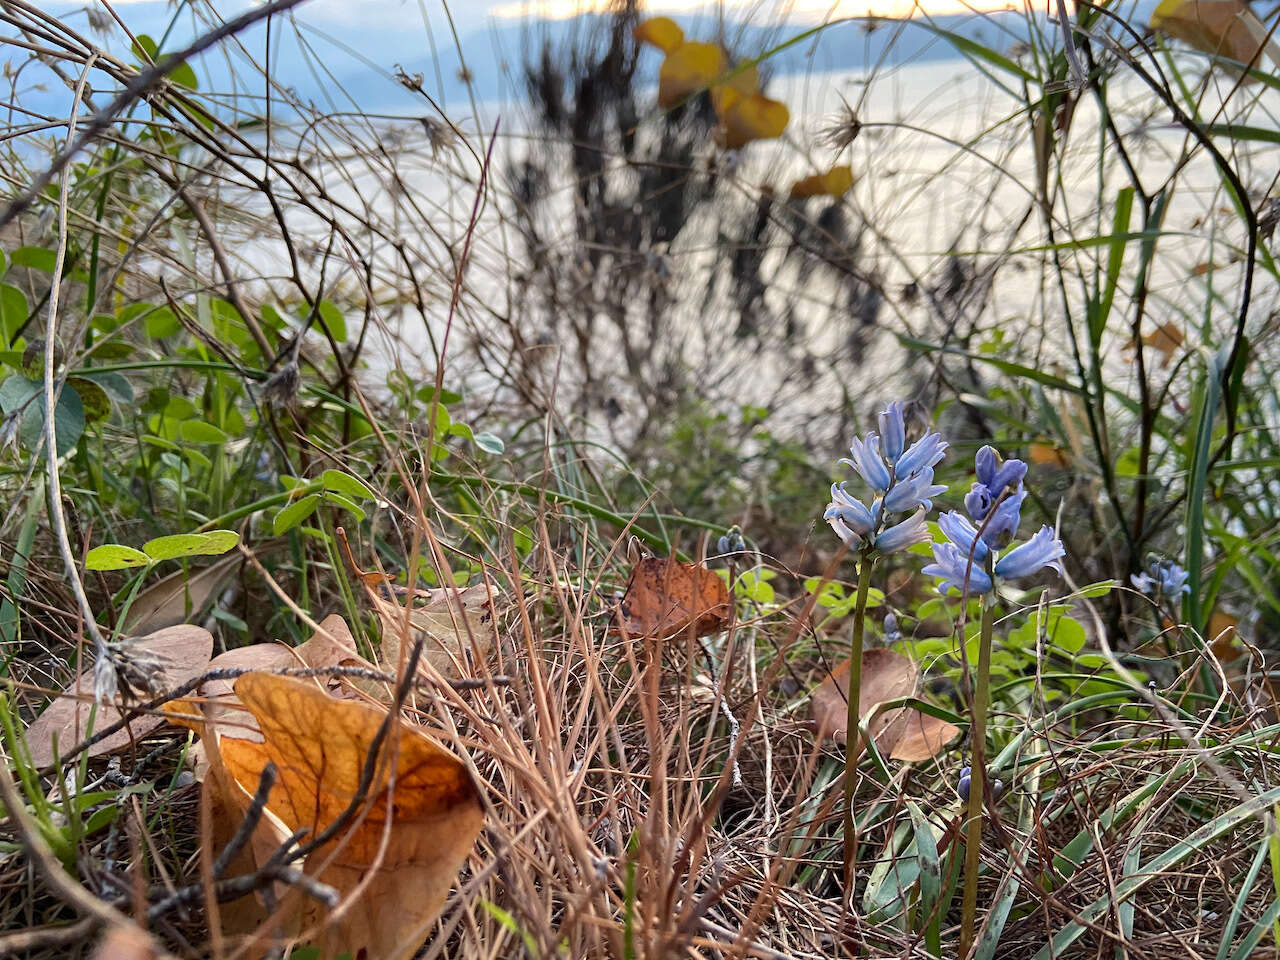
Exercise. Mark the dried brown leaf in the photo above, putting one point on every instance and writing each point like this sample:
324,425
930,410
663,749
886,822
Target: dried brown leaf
184,653
665,597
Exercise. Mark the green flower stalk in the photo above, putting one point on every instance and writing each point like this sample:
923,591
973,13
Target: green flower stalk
901,480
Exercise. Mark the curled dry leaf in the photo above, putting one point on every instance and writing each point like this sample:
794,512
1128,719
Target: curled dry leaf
457,626
184,653
921,736
395,863
178,597
902,734
1227,28
886,675
665,597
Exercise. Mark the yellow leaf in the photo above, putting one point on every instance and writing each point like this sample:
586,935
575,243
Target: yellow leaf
1225,28
394,862
687,69
744,83
661,32
835,182
746,118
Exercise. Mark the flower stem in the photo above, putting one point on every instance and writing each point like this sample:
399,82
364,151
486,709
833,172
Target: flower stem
977,780
852,746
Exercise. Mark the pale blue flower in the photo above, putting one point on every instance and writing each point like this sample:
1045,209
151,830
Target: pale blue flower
957,528
917,489
892,632
893,429
955,569
909,532
995,504
901,481
1162,578
1002,522
864,457
1041,551
928,451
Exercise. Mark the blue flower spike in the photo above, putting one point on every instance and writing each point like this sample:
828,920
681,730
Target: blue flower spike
901,481
964,560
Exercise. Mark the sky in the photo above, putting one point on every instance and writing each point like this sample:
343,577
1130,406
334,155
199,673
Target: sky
357,46
469,14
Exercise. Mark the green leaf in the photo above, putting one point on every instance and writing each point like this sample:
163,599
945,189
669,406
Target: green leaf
349,505
115,384
37,258
489,442
199,431
336,481
161,323
331,319
427,394
180,545
295,513
115,556
14,311
144,48
1095,590
975,49
68,415
96,403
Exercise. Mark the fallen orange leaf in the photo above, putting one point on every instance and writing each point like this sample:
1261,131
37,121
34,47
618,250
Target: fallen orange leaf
1222,633
665,597
183,651
834,183
394,863
662,32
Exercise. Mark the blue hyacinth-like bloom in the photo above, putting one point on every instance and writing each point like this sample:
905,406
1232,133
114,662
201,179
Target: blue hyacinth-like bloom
901,481
964,560
1163,578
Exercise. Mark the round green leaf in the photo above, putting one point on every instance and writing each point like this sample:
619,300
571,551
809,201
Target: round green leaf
197,431
354,488
117,387
97,405
37,258
162,323
115,556
191,545
68,421
295,513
